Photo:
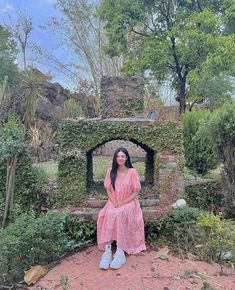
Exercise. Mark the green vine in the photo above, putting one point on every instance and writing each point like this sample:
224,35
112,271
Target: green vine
79,138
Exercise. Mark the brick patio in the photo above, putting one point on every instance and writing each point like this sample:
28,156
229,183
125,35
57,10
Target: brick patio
141,272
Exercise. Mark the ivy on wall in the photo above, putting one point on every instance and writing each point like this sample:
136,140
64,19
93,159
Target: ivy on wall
79,138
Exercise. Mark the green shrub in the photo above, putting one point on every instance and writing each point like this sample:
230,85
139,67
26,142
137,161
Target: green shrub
30,241
198,146
217,236
179,228
221,128
191,230
82,232
28,185
152,230
207,196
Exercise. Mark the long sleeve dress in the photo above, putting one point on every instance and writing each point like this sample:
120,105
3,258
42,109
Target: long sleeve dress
124,224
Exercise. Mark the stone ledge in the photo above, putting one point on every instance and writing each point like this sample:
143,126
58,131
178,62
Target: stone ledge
91,214
99,203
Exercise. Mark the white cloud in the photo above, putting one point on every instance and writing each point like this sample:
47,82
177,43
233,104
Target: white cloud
7,8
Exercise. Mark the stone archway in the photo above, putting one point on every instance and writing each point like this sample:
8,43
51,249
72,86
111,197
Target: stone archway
149,163
78,139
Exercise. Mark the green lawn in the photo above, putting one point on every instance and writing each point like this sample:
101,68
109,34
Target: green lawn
102,163
100,166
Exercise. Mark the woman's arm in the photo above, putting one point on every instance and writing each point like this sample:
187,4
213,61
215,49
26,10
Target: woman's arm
112,199
129,199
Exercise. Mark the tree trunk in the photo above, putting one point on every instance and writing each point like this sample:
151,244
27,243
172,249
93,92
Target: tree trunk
10,182
181,96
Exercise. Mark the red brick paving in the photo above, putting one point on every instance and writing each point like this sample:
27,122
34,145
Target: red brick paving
141,272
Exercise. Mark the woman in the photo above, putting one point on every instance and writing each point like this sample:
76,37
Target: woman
121,219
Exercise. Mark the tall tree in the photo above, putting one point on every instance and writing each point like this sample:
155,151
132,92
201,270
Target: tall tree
21,30
8,53
175,40
81,32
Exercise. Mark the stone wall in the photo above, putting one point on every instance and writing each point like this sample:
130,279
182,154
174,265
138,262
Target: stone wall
121,97
108,149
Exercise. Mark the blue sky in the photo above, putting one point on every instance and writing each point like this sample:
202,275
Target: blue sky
41,11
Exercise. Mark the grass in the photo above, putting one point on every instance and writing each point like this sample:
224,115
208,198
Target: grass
100,166
102,163
214,174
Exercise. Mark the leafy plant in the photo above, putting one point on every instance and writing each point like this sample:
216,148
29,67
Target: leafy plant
198,145
221,128
30,241
218,236
179,228
207,196
11,144
73,109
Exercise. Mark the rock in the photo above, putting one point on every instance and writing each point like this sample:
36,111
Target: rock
45,109
224,255
179,203
163,257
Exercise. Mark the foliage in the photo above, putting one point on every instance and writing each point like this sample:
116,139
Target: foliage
207,196
81,32
212,91
151,229
191,230
179,228
73,109
174,40
11,144
218,237
198,145
82,232
31,241
8,65
28,185
78,139
221,128
11,139
32,84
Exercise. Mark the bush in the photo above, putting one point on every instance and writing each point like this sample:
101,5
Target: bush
179,228
198,146
30,241
152,230
217,237
28,185
222,131
191,230
207,196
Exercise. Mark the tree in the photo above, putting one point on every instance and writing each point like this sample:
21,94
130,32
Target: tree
174,40
11,139
21,31
8,53
221,129
80,31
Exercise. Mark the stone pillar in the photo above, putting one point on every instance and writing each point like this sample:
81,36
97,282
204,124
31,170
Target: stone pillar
171,182
121,97
72,179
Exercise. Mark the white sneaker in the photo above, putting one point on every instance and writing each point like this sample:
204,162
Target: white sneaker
106,258
119,259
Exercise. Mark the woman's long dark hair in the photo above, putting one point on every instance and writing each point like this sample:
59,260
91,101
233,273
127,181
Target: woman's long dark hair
113,172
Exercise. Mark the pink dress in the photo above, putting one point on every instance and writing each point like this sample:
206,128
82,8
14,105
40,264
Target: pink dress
123,224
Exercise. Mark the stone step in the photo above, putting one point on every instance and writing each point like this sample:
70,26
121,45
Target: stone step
99,203
90,214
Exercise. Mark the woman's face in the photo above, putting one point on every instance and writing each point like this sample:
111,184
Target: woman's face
121,158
